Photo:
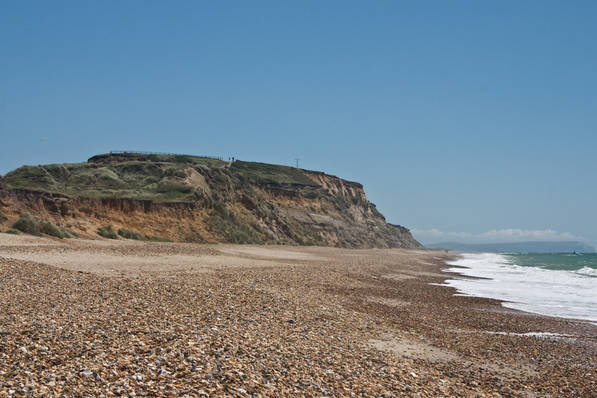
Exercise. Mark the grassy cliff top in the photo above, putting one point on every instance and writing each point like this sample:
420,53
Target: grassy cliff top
157,177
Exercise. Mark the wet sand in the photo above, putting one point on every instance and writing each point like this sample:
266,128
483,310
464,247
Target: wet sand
115,318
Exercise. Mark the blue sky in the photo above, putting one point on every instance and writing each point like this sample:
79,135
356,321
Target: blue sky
460,118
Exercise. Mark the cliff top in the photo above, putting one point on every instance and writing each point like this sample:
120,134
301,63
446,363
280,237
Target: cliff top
152,176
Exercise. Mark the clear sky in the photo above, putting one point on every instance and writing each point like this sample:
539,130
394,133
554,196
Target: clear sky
464,120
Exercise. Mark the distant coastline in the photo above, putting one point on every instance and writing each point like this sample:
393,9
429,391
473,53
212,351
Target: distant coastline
517,247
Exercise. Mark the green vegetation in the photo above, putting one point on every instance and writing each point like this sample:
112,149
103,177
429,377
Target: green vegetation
133,180
233,231
303,234
29,225
193,236
187,160
50,229
157,239
107,232
309,194
270,173
223,222
125,233
159,178
169,186
128,234
3,218
12,232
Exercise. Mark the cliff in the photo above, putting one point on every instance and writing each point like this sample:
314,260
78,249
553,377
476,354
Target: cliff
198,199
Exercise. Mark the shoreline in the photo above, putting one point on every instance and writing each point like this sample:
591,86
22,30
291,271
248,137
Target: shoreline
523,287
272,320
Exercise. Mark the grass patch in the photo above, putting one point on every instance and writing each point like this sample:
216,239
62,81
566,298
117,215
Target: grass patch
107,232
12,232
125,233
31,177
270,173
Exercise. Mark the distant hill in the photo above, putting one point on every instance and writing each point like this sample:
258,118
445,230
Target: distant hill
184,198
517,247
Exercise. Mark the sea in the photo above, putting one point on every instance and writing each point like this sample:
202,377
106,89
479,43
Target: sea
562,285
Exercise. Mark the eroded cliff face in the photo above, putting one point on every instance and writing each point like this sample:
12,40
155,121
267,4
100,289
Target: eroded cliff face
227,203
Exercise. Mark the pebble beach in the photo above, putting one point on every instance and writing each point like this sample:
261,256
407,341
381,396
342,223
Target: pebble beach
87,318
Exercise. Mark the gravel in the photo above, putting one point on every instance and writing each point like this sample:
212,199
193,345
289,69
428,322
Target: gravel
299,329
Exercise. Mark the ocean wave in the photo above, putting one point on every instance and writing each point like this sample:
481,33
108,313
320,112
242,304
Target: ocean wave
568,294
587,271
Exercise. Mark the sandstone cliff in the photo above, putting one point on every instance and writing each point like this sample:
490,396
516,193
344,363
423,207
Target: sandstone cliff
195,199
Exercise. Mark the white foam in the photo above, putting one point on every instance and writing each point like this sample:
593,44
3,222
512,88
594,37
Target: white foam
542,335
568,294
587,271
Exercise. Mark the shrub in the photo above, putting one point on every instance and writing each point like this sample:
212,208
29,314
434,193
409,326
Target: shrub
3,218
171,186
182,159
173,172
12,232
50,229
157,239
193,236
125,233
309,194
107,232
28,225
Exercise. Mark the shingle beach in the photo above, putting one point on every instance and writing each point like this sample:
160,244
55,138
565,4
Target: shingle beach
99,318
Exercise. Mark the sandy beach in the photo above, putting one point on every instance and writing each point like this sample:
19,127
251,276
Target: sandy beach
126,318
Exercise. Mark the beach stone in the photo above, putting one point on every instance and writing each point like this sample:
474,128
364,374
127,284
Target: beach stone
150,333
